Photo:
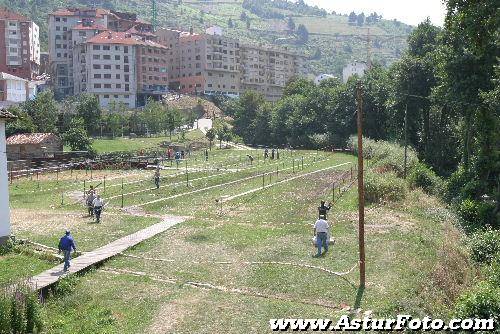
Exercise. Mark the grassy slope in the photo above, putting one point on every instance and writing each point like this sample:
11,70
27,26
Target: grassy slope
336,50
404,251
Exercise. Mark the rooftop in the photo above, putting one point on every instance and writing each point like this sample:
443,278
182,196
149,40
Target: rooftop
113,37
29,138
4,114
7,76
6,14
99,12
92,26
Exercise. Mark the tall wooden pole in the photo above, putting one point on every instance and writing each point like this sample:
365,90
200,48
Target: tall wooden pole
406,131
361,189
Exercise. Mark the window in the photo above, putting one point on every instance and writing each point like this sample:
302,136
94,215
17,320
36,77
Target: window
106,47
81,33
96,47
117,48
97,85
127,77
97,67
58,28
118,76
117,67
119,86
126,68
107,67
106,57
96,57
127,87
107,85
209,85
106,96
107,76
115,96
97,76
125,49
125,59
58,19
117,57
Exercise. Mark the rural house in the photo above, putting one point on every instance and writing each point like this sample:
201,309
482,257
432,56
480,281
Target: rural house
26,146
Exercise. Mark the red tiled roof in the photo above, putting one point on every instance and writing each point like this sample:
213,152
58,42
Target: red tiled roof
91,27
113,37
29,138
134,31
99,12
6,14
4,114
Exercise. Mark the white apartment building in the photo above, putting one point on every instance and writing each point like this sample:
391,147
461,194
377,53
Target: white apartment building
354,68
12,88
109,68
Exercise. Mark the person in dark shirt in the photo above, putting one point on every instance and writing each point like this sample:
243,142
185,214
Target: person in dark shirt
323,209
66,244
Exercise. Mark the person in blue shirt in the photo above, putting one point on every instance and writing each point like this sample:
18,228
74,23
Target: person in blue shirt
66,244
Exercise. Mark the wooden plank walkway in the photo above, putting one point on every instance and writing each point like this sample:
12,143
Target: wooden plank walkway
88,259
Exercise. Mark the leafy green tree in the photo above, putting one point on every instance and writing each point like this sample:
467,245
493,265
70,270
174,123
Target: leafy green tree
222,131
210,136
22,124
291,24
152,115
262,124
172,120
245,111
303,34
44,111
88,108
76,137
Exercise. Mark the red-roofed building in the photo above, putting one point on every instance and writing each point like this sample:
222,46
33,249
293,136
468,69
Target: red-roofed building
19,45
69,27
120,67
33,145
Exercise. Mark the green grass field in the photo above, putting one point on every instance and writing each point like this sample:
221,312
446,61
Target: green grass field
230,268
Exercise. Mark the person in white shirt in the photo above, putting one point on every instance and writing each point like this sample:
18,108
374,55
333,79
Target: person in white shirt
98,204
321,229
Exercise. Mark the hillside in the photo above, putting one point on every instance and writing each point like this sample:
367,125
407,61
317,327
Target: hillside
332,40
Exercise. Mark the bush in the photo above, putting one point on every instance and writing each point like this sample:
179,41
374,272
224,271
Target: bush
385,156
20,311
384,187
493,271
485,245
7,247
423,177
481,302
475,214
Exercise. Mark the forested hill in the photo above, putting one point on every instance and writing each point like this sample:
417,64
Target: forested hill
329,40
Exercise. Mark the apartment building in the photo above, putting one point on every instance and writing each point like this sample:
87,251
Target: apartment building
267,70
19,45
122,68
61,42
202,63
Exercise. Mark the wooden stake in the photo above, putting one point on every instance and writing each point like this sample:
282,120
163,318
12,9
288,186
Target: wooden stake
361,190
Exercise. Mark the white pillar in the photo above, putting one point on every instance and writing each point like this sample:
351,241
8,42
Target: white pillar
4,187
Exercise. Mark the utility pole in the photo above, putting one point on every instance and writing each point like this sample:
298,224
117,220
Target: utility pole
361,189
406,130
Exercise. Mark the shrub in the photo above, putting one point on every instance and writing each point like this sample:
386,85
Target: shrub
65,286
385,155
475,214
485,245
493,271
20,311
483,302
384,187
423,177
7,247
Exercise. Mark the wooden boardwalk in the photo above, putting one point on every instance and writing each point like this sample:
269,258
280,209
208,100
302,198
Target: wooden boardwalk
86,260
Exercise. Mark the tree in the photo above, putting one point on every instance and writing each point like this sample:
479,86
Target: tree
152,115
303,34
222,131
291,24
76,137
88,108
245,109
22,124
210,136
43,111
243,16
360,20
172,120
353,18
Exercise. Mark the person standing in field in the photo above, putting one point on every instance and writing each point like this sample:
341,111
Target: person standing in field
206,155
66,244
98,205
157,178
89,199
321,231
323,209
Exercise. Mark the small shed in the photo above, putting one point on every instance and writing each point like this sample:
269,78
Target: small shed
26,146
